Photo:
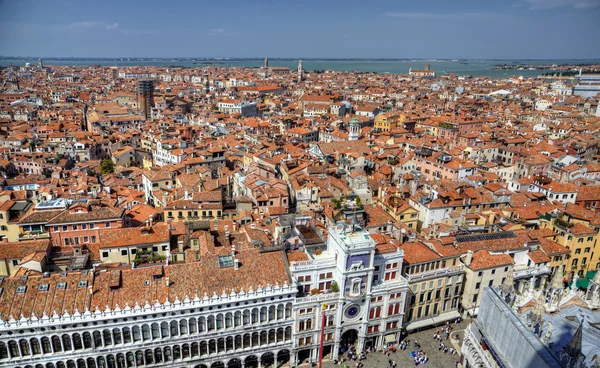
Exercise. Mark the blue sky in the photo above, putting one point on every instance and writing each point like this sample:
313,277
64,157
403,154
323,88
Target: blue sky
302,28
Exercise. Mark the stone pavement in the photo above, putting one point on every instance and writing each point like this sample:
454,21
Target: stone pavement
437,359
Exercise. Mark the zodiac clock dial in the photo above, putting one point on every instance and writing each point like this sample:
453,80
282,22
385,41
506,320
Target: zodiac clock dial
352,311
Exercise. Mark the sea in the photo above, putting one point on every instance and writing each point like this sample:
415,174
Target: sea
471,67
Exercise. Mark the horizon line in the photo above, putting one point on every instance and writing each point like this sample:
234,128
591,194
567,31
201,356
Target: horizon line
282,57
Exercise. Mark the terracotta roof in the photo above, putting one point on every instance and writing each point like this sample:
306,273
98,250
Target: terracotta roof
418,252
483,259
111,238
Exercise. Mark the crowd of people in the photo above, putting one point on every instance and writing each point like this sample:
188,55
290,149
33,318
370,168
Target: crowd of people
419,356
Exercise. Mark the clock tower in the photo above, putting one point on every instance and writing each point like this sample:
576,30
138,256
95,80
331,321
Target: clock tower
300,71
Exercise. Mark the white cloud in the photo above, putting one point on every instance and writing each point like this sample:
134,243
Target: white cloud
95,24
551,4
437,15
219,32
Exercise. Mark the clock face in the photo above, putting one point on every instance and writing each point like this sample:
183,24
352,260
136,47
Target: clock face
352,311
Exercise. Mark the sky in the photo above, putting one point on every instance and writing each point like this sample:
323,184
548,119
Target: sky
483,29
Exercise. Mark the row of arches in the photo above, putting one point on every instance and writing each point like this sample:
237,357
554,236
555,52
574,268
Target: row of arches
144,333
158,357
201,348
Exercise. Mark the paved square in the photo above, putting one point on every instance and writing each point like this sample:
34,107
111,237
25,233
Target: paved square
437,359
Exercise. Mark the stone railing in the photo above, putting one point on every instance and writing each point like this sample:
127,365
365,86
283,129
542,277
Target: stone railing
531,271
390,285
311,265
318,298
435,273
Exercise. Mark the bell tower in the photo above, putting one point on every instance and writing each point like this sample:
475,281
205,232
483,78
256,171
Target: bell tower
300,71
354,130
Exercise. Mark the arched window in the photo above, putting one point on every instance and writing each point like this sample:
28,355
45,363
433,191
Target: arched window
254,315
176,352
238,342
107,337
3,351
13,348
195,349
139,358
149,356
185,351
183,327
210,323
228,320
167,354
155,331
24,347
288,310
271,313
110,360
126,336
97,339
201,324
35,346
66,339
136,334
203,348
271,336
146,332
46,347
193,326
164,329
174,330
77,343
117,337
263,314
246,318
288,333
55,344
237,319
280,311
219,321
158,357
220,345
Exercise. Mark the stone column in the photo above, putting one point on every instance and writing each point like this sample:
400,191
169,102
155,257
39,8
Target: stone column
293,358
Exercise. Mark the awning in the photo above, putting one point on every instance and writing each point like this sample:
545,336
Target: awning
452,315
419,324
389,338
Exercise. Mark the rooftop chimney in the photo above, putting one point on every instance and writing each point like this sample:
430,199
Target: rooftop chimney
236,264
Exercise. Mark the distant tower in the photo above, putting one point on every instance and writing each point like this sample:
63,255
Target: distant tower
145,97
354,130
40,64
266,65
114,73
300,71
206,83
427,67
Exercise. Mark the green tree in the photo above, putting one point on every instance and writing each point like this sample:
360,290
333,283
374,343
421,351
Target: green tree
107,166
334,287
